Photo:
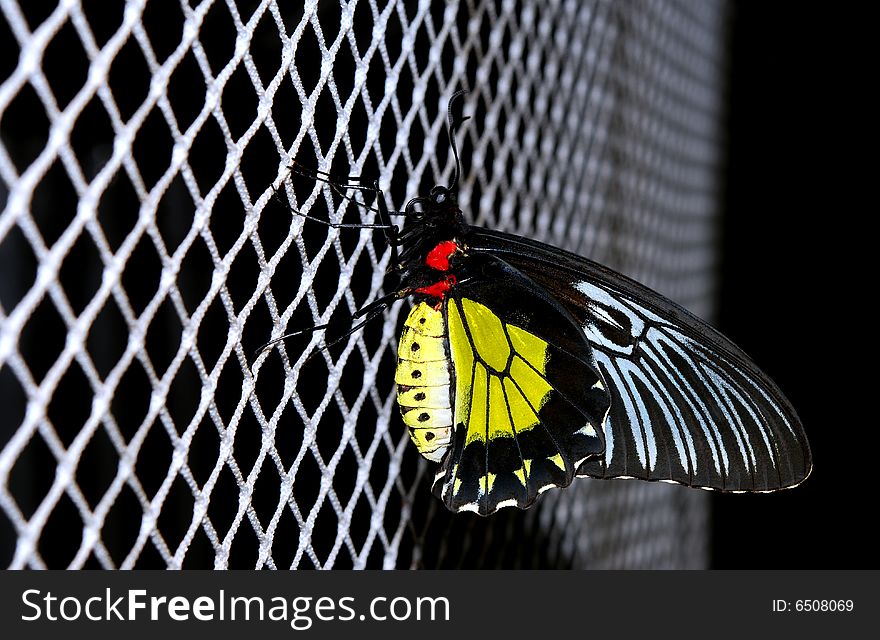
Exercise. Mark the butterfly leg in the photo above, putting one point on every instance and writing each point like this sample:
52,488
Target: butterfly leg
341,184
328,223
392,231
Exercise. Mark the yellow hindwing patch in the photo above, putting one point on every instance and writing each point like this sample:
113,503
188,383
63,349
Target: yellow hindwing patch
500,370
487,334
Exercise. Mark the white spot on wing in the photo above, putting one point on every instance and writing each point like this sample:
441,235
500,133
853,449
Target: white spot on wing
587,430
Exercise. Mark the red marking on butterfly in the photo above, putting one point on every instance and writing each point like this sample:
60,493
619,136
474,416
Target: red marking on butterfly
439,289
438,257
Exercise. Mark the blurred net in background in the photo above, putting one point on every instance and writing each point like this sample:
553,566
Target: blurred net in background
144,258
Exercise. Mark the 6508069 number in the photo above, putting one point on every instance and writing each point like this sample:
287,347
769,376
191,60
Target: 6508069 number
823,605
815,605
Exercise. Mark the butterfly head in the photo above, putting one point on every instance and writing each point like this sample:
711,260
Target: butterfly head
440,207
436,220
442,197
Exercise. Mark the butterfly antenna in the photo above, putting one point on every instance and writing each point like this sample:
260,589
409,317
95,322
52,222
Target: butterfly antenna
452,125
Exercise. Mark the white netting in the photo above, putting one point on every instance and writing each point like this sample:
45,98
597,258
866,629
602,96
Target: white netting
144,258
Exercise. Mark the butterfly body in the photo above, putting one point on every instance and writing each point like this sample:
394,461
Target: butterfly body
522,366
546,366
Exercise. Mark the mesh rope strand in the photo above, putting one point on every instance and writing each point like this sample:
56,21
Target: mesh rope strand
147,249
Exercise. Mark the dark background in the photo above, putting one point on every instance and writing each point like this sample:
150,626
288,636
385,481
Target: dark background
793,293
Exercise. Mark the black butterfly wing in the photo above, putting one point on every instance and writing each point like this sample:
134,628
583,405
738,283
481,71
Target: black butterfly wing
528,401
688,406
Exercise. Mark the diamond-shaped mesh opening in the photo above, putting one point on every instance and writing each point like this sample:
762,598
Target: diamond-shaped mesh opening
148,248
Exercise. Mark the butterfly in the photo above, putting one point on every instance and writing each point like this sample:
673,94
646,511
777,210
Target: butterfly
522,367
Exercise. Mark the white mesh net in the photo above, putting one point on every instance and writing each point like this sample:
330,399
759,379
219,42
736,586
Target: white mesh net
143,260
